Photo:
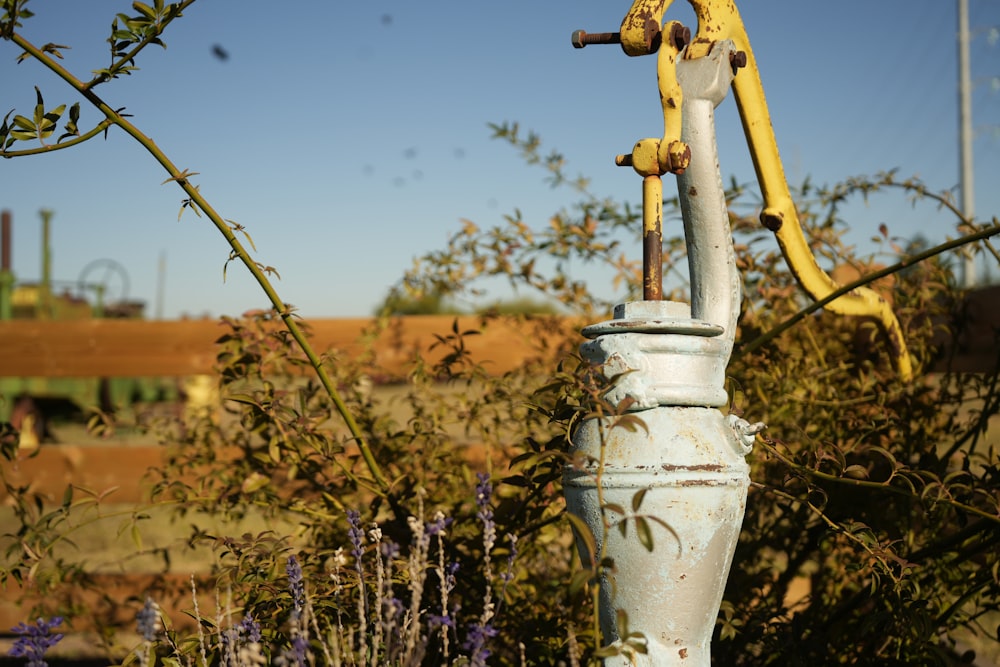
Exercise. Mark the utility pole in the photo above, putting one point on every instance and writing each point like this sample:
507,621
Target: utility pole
966,178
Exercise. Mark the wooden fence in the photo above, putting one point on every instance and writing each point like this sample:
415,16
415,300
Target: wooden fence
55,352
136,348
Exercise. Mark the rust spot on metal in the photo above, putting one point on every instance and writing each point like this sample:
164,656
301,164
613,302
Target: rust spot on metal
679,159
738,60
700,44
652,261
581,38
692,191
705,467
679,36
683,653
652,34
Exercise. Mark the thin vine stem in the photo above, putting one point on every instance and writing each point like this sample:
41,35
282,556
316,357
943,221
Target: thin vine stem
182,179
867,484
944,202
50,148
791,321
146,41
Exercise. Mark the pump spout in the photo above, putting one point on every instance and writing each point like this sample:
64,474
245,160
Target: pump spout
715,282
685,364
668,363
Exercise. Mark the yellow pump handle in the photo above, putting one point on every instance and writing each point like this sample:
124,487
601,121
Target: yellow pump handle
720,20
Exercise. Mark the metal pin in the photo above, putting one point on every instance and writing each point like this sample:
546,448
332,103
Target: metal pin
581,38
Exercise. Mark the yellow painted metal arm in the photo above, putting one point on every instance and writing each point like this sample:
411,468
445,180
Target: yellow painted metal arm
719,20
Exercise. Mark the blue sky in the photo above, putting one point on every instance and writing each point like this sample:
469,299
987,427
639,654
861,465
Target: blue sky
349,137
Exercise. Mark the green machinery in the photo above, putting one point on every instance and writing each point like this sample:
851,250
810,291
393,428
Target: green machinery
101,291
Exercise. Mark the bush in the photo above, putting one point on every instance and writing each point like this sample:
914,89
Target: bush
871,530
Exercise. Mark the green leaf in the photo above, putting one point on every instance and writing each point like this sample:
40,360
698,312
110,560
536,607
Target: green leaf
638,498
39,107
614,507
24,123
22,135
583,535
136,536
145,10
856,472
645,533
50,120
246,399
579,580
54,49
667,527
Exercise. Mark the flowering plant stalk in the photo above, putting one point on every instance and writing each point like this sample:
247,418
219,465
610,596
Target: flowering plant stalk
34,640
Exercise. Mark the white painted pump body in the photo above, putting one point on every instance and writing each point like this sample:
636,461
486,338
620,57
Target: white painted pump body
671,361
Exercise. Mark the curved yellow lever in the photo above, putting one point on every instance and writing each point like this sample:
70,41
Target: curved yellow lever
642,35
719,20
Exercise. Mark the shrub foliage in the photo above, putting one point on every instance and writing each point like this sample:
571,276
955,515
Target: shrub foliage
440,536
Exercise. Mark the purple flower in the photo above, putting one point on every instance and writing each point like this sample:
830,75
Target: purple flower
35,640
296,654
296,585
389,550
147,621
475,643
437,526
235,641
299,647
508,576
355,533
250,628
393,607
484,494
449,574
435,621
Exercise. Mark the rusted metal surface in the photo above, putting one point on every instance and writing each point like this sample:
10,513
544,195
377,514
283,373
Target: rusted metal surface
581,38
738,60
680,35
678,157
640,29
652,239
673,156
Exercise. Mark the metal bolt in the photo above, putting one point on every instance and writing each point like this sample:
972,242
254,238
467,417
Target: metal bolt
581,38
680,36
746,433
678,157
772,219
738,59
